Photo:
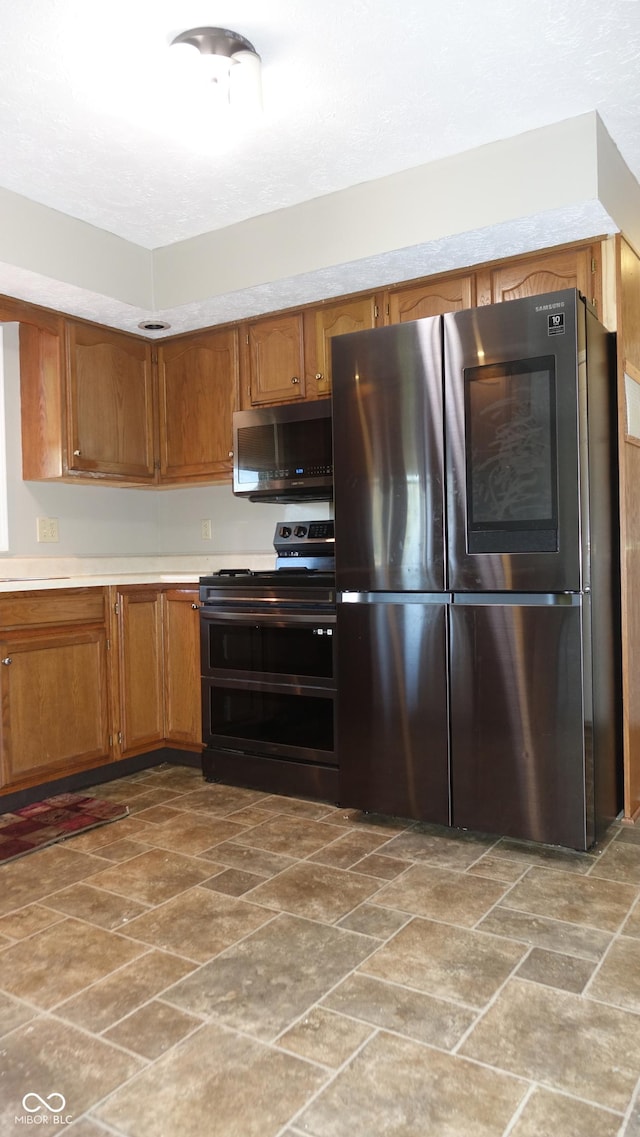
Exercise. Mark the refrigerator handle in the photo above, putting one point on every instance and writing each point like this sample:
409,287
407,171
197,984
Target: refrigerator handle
522,599
394,598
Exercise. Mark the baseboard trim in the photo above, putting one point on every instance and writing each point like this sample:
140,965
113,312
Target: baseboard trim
85,779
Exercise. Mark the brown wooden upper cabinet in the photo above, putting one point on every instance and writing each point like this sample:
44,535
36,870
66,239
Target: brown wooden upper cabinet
430,298
87,404
109,403
330,320
327,321
551,272
198,379
92,409
44,444
273,360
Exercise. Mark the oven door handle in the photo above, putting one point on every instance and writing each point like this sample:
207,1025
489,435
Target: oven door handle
282,618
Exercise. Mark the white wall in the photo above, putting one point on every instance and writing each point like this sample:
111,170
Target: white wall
475,190
102,521
62,248
559,183
238,526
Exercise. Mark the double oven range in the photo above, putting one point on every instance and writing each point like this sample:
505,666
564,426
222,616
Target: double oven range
268,668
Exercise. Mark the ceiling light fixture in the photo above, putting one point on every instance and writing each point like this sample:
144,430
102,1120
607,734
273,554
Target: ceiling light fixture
232,66
154,325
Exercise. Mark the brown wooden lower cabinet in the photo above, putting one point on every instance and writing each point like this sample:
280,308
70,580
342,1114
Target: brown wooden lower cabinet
156,641
137,660
55,705
54,683
91,675
182,702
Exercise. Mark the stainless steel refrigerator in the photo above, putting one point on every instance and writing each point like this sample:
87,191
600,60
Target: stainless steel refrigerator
477,638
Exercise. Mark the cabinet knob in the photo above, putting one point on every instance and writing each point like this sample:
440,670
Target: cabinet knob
294,379
77,454
319,375
195,607
7,660
231,453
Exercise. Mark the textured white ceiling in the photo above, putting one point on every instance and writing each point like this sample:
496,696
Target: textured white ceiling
93,122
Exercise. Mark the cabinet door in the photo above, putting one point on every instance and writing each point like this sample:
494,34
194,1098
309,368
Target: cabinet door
275,360
331,320
431,298
182,702
570,268
109,404
198,393
140,654
55,708
41,400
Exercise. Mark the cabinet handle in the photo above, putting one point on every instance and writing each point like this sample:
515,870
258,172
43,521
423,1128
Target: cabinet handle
77,454
295,379
319,375
7,660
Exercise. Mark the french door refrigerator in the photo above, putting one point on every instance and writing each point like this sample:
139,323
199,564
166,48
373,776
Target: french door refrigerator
477,643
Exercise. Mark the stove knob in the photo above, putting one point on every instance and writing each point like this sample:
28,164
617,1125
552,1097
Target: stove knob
285,531
300,531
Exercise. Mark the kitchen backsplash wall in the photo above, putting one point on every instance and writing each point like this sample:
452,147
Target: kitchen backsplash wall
237,525
102,521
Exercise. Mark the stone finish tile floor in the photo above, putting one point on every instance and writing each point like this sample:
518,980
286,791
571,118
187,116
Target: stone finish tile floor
231,963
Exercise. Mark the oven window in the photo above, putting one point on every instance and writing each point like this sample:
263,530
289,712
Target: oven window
269,649
288,722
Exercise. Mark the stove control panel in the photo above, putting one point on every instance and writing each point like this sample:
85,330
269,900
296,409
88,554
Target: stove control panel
305,539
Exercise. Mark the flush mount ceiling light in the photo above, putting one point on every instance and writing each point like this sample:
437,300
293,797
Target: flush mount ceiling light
231,65
154,325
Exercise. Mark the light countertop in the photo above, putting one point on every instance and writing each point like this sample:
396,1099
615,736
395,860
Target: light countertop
26,574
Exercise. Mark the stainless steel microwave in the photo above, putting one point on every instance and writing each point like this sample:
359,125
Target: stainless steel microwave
284,453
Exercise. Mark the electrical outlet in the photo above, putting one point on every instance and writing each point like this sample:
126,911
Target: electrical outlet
47,529
205,530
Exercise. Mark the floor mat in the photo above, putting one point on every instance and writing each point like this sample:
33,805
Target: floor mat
53,819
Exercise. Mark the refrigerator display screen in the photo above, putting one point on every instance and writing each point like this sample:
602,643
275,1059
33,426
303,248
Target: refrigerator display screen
511,459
